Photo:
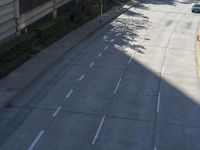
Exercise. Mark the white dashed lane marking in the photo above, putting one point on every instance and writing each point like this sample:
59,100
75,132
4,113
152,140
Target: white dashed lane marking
99,55
56,112
91,65
81,77
36,140
106,47
112,40
69,93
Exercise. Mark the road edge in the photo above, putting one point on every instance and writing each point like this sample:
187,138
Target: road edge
198,50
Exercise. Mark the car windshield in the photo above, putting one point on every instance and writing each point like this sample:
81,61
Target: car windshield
196,5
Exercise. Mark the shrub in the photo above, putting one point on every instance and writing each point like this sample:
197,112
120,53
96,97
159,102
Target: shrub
17,46
124,1
50,28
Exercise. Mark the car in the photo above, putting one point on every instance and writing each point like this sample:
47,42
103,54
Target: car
196,8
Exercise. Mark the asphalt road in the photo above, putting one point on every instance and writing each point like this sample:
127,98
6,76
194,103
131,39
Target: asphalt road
132,85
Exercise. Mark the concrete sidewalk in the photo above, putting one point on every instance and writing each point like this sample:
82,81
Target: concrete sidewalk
20,79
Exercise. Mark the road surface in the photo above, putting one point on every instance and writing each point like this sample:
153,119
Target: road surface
132,85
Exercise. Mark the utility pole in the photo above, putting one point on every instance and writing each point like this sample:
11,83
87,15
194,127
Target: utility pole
101,15
17,16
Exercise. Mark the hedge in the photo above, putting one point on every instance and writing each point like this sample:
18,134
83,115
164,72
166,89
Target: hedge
17,47
50,28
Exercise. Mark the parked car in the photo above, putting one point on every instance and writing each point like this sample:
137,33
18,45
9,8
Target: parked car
196,8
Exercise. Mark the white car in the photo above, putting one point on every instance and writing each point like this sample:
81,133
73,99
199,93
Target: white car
196,7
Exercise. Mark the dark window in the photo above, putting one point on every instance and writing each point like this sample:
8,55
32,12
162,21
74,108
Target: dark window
197,5
26,5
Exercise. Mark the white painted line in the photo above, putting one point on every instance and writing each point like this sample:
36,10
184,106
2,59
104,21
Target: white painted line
98,130
130,60
158,103
69,94
99,55
56,112
117,86
112,40
163,69
81,77
106,47
36,140
118,34
131,43
92,64
155,148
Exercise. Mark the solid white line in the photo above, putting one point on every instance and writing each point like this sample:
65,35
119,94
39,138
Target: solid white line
155,148
36,140
106,47
98,130
99,55
92,64
56,112
117,86
130,60
162,71
69,94
81,77
158,103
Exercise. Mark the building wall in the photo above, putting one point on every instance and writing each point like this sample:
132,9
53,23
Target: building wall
27,5
16,15
7,19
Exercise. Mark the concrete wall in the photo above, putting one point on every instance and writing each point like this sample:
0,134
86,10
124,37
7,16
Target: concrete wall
7,19
16,15
27,5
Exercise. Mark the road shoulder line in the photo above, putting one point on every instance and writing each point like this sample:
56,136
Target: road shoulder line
198,50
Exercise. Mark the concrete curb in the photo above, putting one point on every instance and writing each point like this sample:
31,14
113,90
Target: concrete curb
198,50
15,83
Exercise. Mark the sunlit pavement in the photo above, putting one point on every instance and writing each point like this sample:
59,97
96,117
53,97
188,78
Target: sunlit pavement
132,85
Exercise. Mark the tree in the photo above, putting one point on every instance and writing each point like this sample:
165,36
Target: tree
80,8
